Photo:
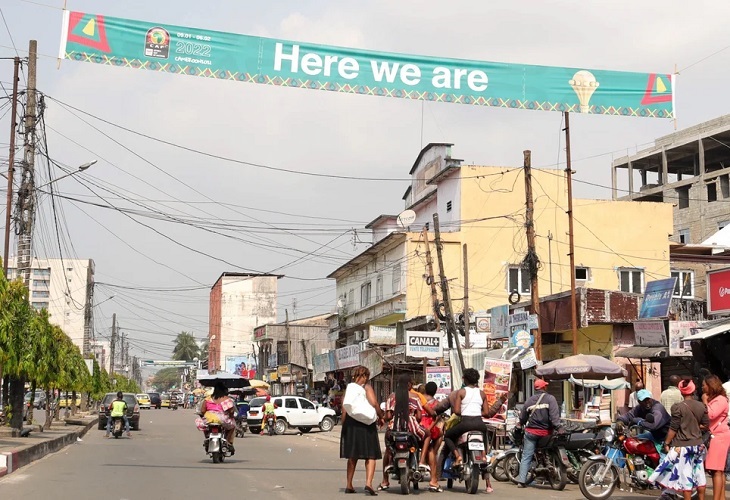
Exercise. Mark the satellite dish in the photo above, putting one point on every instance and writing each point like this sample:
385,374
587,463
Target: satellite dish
340,303
406,218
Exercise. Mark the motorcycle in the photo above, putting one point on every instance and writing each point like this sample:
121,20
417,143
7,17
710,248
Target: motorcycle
173,403
215,443
549,462
578,447
117,427
406,453
271,424
241,426
473,451
627,460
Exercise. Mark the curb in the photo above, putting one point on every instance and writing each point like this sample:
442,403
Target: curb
13,460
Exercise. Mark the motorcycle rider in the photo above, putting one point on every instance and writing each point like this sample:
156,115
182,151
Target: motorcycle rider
649,414
117,408
267,409
540,416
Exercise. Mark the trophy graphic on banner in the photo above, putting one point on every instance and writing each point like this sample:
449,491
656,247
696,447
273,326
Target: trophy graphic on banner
584,84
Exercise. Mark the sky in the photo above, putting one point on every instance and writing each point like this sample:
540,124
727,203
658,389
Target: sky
301,226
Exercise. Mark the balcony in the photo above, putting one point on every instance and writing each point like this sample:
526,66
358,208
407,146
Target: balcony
386,312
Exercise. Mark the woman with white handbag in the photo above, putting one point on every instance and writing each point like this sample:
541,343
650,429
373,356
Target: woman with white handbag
359,437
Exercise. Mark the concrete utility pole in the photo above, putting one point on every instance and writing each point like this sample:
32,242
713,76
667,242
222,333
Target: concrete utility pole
531,259
571,246
88,315
26,193
467,319
450,324
288,338
113,344
11,162
432,281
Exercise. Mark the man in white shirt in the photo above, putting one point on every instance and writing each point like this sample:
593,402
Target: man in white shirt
671,394
633,402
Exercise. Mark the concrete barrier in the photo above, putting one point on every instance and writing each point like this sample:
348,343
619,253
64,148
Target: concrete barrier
11,461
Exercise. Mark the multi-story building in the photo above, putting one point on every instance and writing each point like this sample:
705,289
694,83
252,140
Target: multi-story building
102,352
239,302
619,245
65,288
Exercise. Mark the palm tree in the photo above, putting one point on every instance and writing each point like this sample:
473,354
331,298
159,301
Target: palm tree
204,347
186,348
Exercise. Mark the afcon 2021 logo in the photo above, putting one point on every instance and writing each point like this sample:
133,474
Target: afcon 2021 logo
157,43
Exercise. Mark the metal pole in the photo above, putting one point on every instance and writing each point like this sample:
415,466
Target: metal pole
112,345
467,320
571,246
11,163
432,279
532,261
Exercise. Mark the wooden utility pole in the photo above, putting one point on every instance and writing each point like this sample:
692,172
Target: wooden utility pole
571,245
288,339
432,281
113,344
11,162
532,260
450,324
467,319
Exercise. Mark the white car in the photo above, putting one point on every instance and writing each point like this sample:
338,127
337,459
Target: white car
294,411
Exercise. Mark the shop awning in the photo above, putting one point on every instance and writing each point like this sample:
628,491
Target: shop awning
611,385
639,352
710,332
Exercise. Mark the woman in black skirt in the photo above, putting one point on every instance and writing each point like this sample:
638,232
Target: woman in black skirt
359,440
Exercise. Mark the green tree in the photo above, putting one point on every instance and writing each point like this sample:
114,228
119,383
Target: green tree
204,348
166,378
186,348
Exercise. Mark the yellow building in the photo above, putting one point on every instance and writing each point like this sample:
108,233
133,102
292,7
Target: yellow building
619,245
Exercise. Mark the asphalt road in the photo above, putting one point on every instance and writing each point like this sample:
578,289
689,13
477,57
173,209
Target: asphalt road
165,459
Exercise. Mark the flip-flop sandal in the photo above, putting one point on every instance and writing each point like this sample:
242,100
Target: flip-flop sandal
435,489
383,487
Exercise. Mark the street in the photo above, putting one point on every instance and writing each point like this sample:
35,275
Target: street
165,459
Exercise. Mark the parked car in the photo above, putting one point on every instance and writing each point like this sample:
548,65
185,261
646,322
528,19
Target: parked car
65,400
165,400
155,399
39,400
144,401
292,411
132,409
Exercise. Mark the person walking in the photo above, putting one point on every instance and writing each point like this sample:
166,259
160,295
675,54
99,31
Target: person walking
359,440
715,398
682,468
671,394
540,416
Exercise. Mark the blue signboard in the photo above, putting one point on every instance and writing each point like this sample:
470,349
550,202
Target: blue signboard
657,297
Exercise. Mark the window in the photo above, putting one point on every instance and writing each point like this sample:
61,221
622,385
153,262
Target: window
351,298
712,191
69,269
581,274
365,290
291,403
426,226
683,196
41,272
40,305
41,282
684,287
396,278
631,280
379,288
725,186
41,294
684,235
448,206
518,279
306,405
277,402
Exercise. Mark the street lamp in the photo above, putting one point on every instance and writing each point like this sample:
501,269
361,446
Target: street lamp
105,300
80,169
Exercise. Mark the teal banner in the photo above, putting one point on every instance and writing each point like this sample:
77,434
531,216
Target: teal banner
228,56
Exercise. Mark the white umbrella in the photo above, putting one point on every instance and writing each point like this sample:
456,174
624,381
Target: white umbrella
581,366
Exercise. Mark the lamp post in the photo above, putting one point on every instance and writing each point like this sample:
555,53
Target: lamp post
83,167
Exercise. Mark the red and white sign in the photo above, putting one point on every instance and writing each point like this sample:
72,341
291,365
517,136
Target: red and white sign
718,298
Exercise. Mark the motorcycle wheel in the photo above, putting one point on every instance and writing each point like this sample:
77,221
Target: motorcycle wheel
471,477
499,473
405,484
573,472
449,484
558,477
587,480
217,457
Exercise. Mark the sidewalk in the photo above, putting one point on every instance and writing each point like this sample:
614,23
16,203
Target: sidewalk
15,452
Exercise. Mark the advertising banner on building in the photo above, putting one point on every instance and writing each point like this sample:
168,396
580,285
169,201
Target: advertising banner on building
677,331
372,361
348,356
244,365
718,291
650,333
441,376
127,43
424,344
657,298
497,378
381,335
500,322
322,365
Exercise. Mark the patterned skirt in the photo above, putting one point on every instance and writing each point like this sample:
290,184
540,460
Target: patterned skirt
682,469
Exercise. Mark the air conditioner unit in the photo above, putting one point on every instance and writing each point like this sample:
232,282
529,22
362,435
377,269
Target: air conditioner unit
359,335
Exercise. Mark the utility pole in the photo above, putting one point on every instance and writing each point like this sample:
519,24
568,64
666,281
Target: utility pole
450,324
467,319
88,315
531,260
11,162
26,193
288,338
113,344
571,246
432,282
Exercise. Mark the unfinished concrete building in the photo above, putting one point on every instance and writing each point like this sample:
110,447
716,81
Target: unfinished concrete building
691,170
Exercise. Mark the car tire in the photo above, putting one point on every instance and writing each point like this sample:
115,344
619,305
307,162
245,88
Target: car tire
327,424
280,426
